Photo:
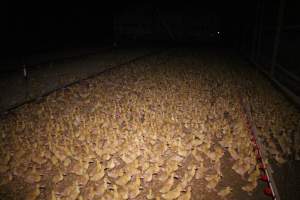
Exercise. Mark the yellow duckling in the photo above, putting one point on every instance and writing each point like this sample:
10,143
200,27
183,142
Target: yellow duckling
71,192
240,167
196,155
6,179
100,190
32,176
225,192
150,195
254,175
115,173
33,194
39,158
187,195
67,162
279,159
97,172
212,180
233,153
83,180
52,196
168,184
171,166
191,172
111,164
80,167
150,171
201,171
163,176
113,193
173,194
123,180
3,168
57,177
134,188
123,191
250,186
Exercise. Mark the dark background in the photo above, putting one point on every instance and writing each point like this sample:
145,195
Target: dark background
36,28
28,29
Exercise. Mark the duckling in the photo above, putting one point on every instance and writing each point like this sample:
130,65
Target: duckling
80,167
254,175
201,171
39,158
213,181
163,176
250,186
217,167
54,160
171,166
4,168
173,194
89,193
83,179
129,157
150,195
182,152
111,164
150,171
59,154
196,155
123,180
233,153
123,191
32,176
6,179
106,157
204,147
33,194
67,162
97,172
240,167
100,190
225,192
144,166
191,172
132,165
57,177
115,173
279,159
52,195
112,194
134,184
177,158
168,184
134,190
4,160
187,195
147,176
71,192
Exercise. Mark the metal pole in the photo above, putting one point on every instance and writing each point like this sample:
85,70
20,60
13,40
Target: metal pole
277,35
254,38
260,31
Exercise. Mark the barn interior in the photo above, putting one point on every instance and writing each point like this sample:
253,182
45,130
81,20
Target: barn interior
150,100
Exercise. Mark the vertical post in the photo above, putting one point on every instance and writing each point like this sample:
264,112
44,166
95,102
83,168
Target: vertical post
260,31
277,35
254,38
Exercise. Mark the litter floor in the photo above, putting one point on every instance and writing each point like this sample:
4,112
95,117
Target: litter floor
169,126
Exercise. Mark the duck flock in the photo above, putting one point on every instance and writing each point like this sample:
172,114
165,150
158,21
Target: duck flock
164,127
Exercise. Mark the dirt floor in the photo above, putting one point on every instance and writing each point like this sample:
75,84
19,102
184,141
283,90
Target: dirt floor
169,126
49,76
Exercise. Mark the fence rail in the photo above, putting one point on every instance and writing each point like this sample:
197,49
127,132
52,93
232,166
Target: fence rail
267,55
